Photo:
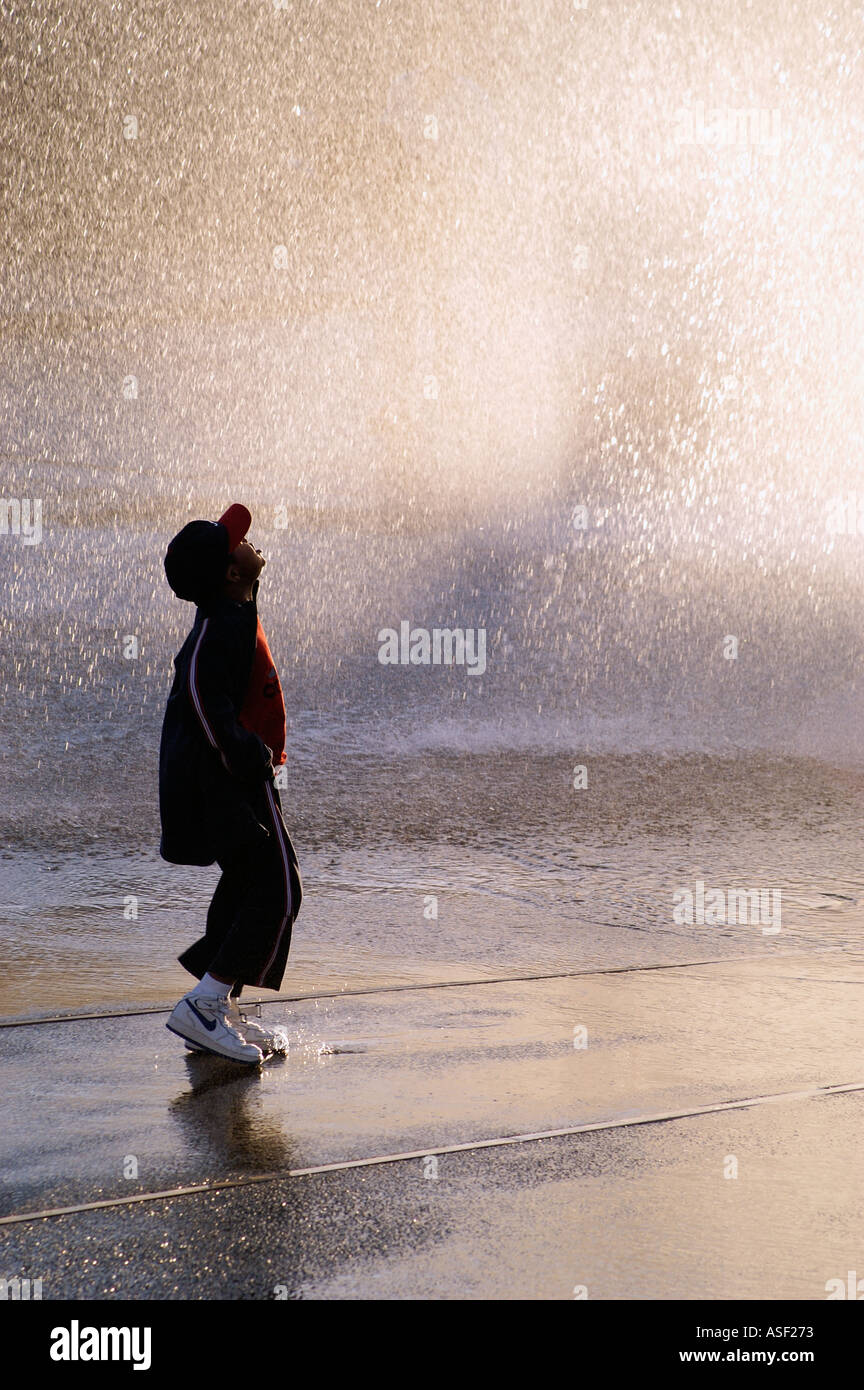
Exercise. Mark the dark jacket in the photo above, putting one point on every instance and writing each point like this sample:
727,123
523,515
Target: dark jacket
209,765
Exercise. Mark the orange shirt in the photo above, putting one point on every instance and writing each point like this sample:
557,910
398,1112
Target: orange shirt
263,710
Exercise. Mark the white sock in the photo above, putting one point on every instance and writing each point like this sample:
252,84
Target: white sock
213,989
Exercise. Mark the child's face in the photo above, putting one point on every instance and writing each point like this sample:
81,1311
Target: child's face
246,563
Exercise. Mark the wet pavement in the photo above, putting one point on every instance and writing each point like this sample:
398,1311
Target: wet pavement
761,1202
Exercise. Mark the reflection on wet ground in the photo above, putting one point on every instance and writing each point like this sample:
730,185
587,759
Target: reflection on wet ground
416,1070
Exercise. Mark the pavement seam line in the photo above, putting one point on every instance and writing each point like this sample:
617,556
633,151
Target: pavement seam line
25,1022
346,1165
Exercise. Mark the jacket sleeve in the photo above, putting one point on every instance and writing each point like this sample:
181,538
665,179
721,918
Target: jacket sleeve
242,752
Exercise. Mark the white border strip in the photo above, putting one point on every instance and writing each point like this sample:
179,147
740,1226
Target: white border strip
345,1165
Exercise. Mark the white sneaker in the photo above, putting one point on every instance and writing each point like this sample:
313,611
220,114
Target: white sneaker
203,1022
272,1041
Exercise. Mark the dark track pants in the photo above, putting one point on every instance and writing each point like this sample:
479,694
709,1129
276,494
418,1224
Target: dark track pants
254,906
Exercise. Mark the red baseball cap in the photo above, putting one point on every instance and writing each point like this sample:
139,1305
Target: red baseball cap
236,521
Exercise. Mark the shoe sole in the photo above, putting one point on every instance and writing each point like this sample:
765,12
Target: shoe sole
281,1051
268,1052
214,1052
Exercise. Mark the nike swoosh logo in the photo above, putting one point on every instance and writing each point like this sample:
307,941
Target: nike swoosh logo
209,1024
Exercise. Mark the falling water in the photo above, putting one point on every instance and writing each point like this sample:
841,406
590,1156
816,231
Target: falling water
543,320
